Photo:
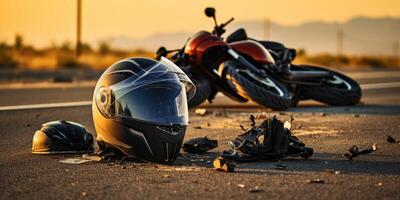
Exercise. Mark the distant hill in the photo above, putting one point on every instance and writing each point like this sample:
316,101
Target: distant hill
361,35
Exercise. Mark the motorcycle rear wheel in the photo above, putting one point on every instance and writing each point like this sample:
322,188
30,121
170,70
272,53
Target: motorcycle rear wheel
340,91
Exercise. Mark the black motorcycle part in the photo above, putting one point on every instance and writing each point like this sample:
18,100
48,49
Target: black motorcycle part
238,35
345,94
199,145
203,90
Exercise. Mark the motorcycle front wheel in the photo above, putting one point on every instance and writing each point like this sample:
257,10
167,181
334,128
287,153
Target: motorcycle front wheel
264,91
337,91
203,90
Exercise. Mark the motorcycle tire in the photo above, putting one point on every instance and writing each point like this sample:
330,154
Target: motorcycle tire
341,91
264,91
203,90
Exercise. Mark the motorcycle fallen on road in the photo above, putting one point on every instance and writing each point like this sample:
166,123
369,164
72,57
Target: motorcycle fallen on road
262,71
215,66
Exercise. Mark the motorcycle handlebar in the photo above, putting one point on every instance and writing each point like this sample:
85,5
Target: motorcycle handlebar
229,21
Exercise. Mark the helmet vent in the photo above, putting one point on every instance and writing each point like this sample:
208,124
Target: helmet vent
174,130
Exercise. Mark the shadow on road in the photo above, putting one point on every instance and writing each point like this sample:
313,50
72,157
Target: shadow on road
371,109
319,162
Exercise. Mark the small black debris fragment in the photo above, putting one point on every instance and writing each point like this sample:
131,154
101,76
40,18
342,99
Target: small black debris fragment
390,139
316,181
221,164
322,114
354,152
332,171
281,166
256,190
199,145
356,115
252,119
197,127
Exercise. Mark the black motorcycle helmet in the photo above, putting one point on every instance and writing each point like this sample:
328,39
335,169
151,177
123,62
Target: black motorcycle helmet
59,137
140,108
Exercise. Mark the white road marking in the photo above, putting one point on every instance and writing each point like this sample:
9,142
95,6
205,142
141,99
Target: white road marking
371,75
368,86
372,86
46,105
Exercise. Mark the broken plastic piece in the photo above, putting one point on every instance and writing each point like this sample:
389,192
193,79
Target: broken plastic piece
91,157
332,171
255,190
354,152
390,139
277,143
316,181
200,111
224,165
199,145
74,161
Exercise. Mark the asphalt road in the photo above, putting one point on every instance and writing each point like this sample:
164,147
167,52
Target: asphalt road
331,131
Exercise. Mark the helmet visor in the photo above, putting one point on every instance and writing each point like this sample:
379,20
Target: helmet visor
158,95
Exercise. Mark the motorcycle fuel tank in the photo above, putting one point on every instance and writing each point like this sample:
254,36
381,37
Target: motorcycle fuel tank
253,50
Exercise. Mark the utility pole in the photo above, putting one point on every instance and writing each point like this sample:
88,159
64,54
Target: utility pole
78,28
266,28
396,50
339,41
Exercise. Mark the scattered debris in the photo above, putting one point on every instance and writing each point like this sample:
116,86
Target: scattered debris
197,127
316,181
182,169
243,129
255,190
380,184
281,166
277,142
322,114
74,160
201,112
221,164
84,194
167,176
199,145
241,185
354,152
332,171
356,115
390,139
91,157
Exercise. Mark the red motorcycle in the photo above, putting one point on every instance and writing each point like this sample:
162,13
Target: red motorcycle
233,69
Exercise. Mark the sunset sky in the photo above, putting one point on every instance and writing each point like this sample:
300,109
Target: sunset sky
53,21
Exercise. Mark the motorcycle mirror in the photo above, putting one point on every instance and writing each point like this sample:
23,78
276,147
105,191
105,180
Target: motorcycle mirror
162,51
210,12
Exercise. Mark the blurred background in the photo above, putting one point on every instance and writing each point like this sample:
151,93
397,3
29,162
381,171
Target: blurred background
74,40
